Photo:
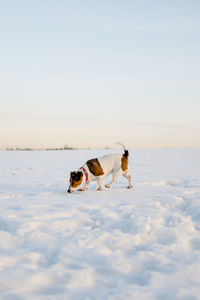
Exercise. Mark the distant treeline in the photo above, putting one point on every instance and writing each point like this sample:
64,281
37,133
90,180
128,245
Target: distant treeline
46,149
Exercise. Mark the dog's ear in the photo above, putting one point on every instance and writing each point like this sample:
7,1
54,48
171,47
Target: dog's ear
72,174
79,175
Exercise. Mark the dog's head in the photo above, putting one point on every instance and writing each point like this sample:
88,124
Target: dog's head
75,181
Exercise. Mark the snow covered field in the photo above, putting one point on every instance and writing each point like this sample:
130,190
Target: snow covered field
117,244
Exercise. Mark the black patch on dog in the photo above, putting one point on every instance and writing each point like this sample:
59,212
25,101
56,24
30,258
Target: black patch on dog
76,178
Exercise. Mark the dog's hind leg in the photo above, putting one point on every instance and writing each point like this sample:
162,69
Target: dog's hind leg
115,177
128,176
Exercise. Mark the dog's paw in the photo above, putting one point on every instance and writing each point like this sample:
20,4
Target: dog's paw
107,186
129,187
81,190
99,189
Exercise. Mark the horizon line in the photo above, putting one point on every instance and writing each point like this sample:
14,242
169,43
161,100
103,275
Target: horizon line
92,148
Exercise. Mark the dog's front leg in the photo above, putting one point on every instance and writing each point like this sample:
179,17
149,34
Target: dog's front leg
84,187
100,188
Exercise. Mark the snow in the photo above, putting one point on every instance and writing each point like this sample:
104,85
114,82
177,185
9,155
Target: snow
112,244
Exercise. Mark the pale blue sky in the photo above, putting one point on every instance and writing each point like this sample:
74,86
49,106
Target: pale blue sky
88,73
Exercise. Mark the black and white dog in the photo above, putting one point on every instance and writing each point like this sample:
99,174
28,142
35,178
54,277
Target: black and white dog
99,168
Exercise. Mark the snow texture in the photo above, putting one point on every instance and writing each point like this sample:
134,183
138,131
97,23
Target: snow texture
115,244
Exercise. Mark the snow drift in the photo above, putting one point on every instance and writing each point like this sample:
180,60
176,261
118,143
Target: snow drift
115,244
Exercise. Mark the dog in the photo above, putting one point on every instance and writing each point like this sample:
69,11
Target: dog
99,168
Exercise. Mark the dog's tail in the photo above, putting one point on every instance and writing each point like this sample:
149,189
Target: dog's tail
126,153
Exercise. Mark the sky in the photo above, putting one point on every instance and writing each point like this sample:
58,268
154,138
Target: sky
90,73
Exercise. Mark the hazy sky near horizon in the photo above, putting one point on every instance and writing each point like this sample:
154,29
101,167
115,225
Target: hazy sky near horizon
89,73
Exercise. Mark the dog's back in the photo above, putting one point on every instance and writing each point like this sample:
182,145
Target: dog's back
110,162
